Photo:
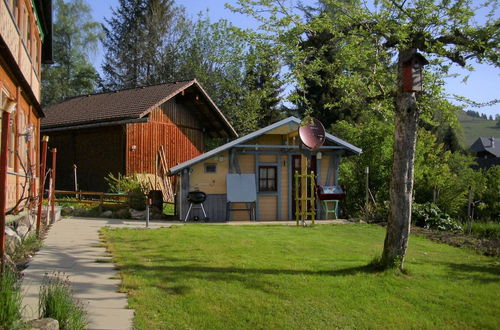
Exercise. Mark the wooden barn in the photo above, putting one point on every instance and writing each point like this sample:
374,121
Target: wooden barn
124,131
25,43
261,163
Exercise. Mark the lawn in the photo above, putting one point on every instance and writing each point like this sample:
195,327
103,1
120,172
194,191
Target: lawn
263,277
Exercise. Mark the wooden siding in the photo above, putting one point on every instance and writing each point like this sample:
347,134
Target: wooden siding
96,152
267,208
284,187
210,183
215,207
23,116
170,126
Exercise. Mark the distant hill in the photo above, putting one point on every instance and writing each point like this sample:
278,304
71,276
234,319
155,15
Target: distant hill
473,128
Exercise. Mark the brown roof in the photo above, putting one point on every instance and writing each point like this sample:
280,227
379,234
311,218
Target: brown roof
119,105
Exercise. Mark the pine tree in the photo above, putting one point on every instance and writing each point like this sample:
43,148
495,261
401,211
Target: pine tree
134,41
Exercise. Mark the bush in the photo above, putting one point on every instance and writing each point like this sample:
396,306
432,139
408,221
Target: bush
56,301
10,301
490,230
429,216
131,185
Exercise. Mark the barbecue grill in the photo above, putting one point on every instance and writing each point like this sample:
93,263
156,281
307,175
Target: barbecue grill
330,192
196,198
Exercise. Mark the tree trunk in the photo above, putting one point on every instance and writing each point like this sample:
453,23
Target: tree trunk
401,188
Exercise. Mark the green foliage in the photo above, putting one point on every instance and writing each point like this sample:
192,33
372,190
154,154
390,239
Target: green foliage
429,216
488,230
474,127
75,36
10,301
56,301
125,183
29,244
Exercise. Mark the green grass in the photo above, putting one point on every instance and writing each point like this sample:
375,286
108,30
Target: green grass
10,301
265,277
473,128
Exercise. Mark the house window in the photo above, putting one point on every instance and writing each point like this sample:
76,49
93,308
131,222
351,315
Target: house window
11,156
13,7
267,178
210,168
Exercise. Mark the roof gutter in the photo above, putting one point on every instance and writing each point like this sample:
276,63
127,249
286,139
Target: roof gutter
99,124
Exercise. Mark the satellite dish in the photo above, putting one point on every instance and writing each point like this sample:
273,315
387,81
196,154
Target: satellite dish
312,134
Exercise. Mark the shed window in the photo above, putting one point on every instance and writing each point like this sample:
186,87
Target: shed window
210,167
267,178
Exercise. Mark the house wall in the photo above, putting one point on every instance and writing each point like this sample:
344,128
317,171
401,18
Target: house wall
21,154
268,203
96,153
171,126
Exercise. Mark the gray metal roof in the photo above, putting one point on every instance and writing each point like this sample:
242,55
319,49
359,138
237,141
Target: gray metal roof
290,120
488,144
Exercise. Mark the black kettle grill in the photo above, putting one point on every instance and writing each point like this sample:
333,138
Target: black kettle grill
196,198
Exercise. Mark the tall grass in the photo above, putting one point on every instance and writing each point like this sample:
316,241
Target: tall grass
10,301
490,230
56,301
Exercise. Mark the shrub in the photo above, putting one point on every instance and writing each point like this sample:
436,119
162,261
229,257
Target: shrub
56,301
131,185
10,301
490,230
429,216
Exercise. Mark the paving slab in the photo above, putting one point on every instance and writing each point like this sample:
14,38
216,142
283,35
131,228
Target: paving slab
72,247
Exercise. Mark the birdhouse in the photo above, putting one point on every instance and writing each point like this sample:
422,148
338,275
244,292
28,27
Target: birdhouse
412,73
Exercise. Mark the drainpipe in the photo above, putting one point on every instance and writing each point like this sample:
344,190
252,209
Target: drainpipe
8,107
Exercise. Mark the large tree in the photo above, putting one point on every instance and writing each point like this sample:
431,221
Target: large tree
443,30
75,37
135,37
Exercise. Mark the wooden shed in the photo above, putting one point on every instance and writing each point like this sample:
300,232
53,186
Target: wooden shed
123,131
272,155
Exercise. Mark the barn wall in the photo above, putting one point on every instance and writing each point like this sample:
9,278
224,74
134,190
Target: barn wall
96,152
171,126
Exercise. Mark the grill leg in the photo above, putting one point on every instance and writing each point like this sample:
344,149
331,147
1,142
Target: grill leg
187,214
203,209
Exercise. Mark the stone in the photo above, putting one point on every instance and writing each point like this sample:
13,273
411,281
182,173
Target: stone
12,239
23,230
107,214
44,324
27,220
138,215
67,210
122,214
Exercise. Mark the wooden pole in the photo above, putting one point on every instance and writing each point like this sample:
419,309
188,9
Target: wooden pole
367,188
53,190
45,142
3,183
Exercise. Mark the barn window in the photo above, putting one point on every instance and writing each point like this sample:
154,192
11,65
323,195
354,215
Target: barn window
210,167
267,178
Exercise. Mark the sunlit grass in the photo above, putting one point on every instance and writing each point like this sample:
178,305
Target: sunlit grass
234,277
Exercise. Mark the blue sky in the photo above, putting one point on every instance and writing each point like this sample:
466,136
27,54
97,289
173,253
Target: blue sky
482,85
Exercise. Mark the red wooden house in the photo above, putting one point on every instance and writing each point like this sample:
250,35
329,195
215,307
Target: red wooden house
123,131
25,42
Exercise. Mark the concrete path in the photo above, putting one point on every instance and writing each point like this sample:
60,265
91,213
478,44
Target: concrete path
72,248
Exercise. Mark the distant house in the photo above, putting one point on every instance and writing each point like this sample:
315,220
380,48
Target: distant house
25,43
487,151
268,157
122,131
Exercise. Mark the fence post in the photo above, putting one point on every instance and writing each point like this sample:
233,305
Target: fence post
45,142
3,182
53,193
